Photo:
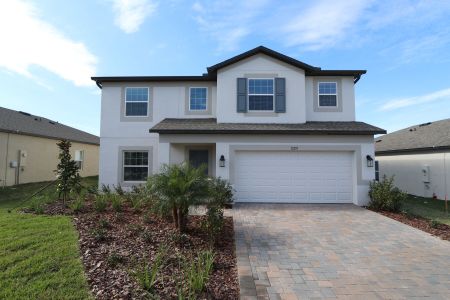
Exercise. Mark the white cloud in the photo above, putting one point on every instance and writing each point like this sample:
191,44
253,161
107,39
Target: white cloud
27,41
130,14
323,24
404,102
229,22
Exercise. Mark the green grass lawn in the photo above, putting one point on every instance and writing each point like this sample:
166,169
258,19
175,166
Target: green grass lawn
39,255
427,208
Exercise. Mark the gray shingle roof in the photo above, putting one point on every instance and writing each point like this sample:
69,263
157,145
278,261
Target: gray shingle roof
210,126
24,123
428,136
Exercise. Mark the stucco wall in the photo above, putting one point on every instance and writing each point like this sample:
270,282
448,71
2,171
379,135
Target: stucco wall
168,100
259,66
346,100
407,170
42,158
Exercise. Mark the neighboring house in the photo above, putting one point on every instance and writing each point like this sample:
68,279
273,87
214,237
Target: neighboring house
28,150
280,130
418,157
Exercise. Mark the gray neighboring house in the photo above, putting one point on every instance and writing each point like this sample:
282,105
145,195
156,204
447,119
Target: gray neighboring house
418,157
28,150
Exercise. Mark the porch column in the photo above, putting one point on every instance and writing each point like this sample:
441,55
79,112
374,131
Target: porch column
164,154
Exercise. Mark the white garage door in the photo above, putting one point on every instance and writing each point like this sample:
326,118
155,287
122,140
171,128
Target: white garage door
293,177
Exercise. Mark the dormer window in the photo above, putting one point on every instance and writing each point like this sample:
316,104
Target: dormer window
260,94
327,94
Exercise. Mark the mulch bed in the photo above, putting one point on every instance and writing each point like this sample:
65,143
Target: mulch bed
441,230
113,244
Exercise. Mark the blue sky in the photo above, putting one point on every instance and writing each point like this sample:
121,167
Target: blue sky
50,49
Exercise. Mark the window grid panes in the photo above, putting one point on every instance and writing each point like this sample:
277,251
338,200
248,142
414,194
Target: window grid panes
135,165
260,94
136,101
327,94
198,98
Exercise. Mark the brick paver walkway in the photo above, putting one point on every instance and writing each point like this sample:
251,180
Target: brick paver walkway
289,251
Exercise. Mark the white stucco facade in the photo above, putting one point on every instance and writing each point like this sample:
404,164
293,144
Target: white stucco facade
421,174
170,100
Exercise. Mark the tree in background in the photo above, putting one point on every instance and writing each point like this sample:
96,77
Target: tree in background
67,172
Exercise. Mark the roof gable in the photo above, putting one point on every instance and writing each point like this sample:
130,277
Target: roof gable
266,51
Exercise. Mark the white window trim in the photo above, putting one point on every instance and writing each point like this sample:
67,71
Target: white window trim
124,166
319,94
125,100
81,158
248,95
198,87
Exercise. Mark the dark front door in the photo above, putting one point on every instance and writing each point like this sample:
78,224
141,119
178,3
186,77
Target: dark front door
198,158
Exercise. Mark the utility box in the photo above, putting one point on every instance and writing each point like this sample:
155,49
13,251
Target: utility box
426,174
13,164
23,158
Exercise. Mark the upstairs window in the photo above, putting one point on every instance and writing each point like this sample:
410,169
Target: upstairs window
327,94
260,94
135,165
198,97
136,102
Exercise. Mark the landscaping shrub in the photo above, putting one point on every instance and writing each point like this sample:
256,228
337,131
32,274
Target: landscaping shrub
37,206
101,202
77,204
434,224
175,188
103,223
220,195
119,190
384,196
106,189
213,224
147,273
99,234
114,259
197,272
116,202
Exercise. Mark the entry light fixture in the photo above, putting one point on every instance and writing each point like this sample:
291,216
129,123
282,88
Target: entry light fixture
369,161
222,161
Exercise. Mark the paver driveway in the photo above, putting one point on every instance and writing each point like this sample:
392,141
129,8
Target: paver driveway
289,251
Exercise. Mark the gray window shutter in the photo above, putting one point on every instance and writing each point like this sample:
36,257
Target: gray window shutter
242,95
280,95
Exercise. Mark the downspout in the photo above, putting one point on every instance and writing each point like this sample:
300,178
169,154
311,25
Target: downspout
6,159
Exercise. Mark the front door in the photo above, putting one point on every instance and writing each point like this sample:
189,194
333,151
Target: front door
198,158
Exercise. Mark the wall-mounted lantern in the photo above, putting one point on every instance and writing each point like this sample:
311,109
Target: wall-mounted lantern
369,161
222,161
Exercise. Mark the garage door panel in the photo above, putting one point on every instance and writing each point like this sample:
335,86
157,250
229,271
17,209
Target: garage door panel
293,177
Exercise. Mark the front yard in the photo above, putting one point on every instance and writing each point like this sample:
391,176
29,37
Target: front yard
109,246
39,256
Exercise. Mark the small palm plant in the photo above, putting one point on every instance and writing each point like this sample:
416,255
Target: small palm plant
176,187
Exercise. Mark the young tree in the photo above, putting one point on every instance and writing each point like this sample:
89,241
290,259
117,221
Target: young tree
176,187
67,172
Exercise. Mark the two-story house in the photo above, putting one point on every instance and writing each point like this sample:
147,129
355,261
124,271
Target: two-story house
278,129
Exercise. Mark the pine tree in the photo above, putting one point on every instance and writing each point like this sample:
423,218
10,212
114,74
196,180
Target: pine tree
67,172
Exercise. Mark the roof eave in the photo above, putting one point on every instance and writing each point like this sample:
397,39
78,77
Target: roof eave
263,132
411,150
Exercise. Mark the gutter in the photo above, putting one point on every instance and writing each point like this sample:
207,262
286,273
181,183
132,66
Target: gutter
407,151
